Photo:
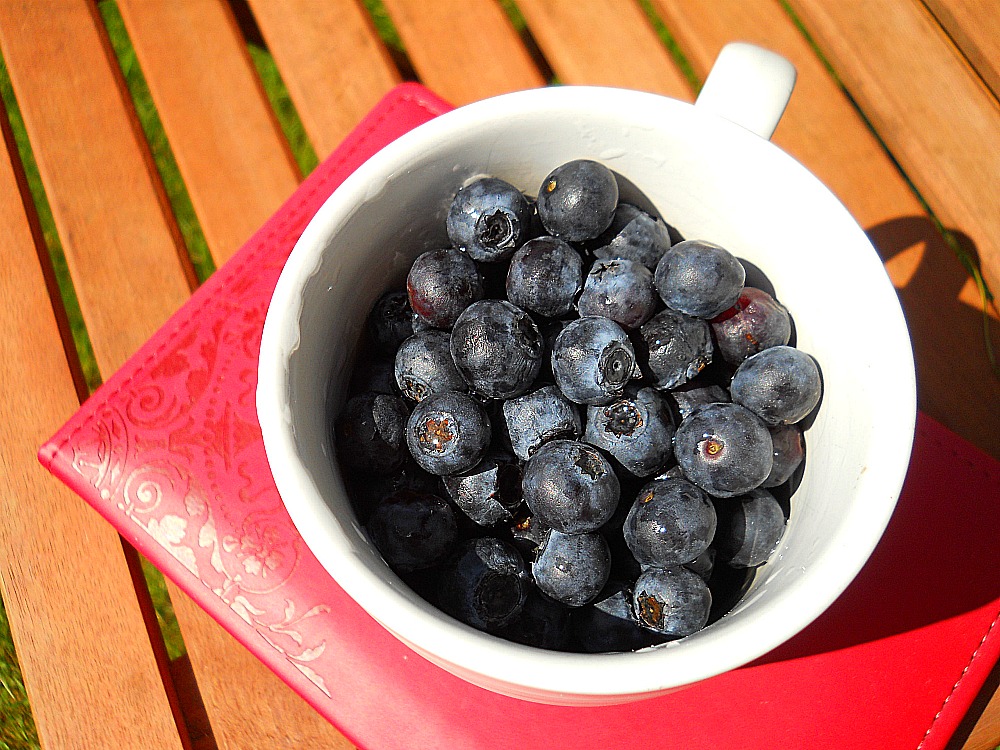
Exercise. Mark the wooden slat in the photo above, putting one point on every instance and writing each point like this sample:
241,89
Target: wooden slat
935,116
331,60
237,170
463,50
112,217
603,42
62,571
227,142
822,129
974,25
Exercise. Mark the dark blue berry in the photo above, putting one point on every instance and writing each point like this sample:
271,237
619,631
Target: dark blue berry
569,486
489,492
592,360
674,601
704,564
789,452
489,219
369,433
424,366
608,625
724,448
756,322
636,429
527,533
413,530
448,433
485,585
635,235
366,491
577,200
497,348
676,346
441,284
390,322
750,527
374,374
545,276
540,416
542,623
690,398
619,289
781,385
699,278
672,522
572,568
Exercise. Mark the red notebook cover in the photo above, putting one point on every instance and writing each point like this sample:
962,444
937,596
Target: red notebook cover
169,451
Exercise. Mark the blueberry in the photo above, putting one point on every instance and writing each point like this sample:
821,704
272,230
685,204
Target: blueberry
704,564
545,275
750,527
674,601
390,322
677,347
527,533
699,278
572,568
498,348
413,530
723,448
569,486
671,522
485,585
636,429
489,492
448,433
369,433
690,398
366,491
441,284
540,416
592,360
756,322
424,365
781,385
373,374
635,235
789,452
489,219
619,289
542,623
577,200
607,624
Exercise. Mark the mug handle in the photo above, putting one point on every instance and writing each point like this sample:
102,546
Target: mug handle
750,86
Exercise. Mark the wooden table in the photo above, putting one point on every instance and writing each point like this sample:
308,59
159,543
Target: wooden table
895,108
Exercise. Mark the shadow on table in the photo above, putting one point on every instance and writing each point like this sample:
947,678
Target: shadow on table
955,382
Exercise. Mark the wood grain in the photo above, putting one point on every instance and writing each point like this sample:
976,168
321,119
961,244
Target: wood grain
332,62
62,570
974,25
603,42
463,50
822,129
237,170
229,147
933,113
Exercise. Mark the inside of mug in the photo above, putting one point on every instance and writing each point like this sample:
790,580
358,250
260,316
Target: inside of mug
711,181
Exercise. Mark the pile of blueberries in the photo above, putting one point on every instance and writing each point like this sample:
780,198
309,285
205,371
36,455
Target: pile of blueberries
575,429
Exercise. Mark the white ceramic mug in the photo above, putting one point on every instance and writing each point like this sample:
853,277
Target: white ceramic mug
709,170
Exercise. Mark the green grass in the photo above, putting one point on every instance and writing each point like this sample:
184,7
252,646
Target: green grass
17,728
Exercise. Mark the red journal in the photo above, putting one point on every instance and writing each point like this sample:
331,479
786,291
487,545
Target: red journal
169,451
